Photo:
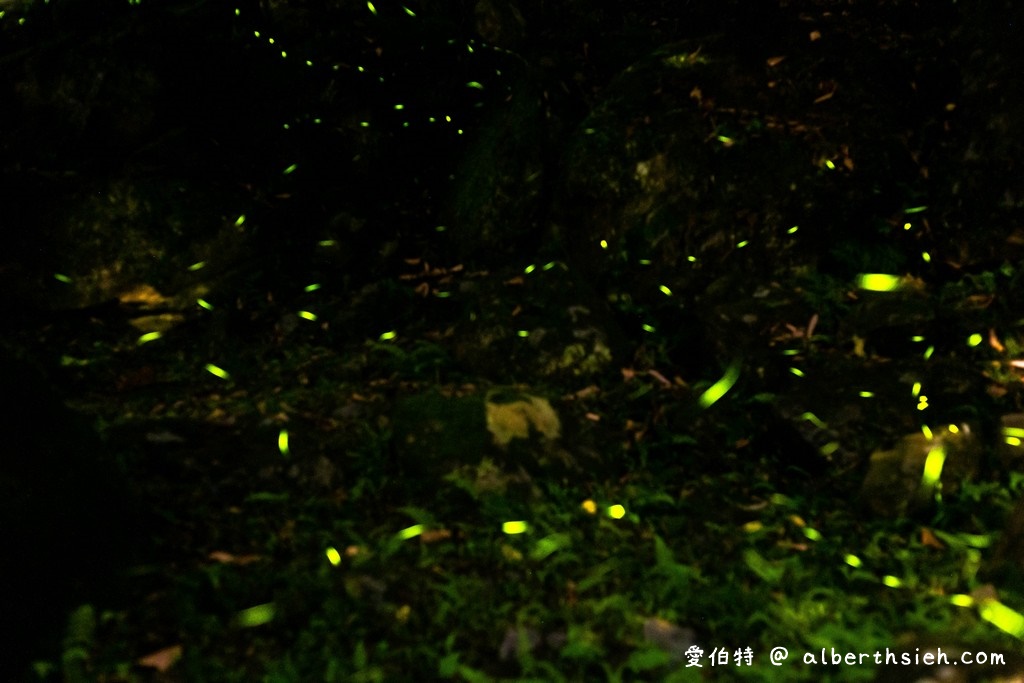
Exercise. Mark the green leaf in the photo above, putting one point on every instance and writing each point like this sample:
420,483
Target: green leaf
769,572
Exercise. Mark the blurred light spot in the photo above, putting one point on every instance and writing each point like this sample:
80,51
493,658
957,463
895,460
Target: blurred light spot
961,600
256,616
149,336
513,528
216,371
717,390
878,282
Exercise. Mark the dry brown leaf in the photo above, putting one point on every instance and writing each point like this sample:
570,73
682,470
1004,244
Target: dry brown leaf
161,660
929,540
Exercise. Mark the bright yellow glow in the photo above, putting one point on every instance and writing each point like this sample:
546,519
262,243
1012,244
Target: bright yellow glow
203,303
333,556
410,532
150,336
216,371
878,282
616,511
933,467
197,266
282,442
974,339
797,371
1003,617
306,315
589,506
513,528
891,581
719,389
665,290
853,561
961,600
387,336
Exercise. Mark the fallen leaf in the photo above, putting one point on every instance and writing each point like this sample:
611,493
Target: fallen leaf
161,660
929,540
